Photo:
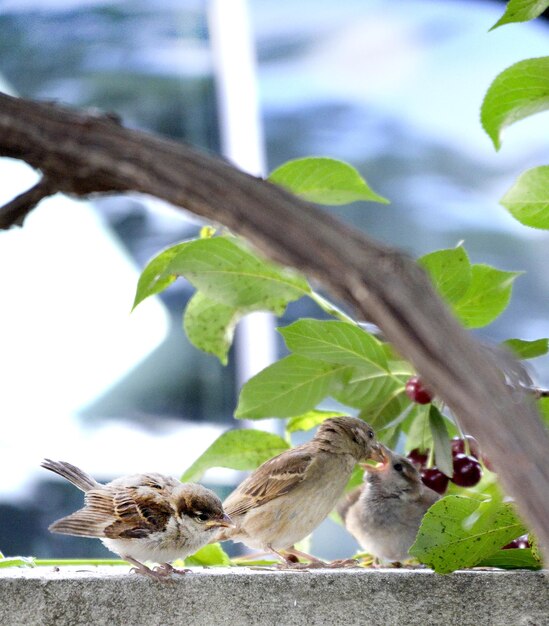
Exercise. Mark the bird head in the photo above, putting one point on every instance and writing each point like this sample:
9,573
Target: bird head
201,507
395,475
349,435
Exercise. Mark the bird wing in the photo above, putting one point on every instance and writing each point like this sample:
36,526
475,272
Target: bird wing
117,513
271,480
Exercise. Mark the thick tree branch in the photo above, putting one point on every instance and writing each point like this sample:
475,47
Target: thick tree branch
81,154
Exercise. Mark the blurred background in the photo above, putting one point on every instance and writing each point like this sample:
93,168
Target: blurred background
392,87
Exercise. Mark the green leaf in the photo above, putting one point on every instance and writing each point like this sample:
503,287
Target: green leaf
291,386
237,449
517,558
441,441
446,543
450,272
309,420
527,349
535,549
154,279
518,92
487,296
210,555
324,181
528,198
226,272
335,342
417,429
210,325
17,561
521,11
379,394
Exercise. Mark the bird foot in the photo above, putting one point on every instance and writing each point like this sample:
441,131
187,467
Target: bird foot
155,574
166,570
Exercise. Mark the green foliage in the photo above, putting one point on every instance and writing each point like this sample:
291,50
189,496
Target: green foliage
210,325
477,293
324,181
518,92
446,541
521,11
335,342
309,420
17,561
528,198
450,272
291,386
527,349
487,297
211,555
237,449
441,441
231,281
518,558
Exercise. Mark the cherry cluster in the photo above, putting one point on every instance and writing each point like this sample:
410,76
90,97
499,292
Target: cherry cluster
467,469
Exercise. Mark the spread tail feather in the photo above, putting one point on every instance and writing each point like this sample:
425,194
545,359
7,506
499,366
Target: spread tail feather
76,476
83,523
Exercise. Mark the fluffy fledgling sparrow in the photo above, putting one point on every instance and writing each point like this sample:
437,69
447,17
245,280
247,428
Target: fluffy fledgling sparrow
287,497
385,512
143,517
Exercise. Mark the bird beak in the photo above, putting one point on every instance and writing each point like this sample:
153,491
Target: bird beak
379,454
221,522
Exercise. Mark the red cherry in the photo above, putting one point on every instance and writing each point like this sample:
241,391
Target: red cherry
435,479
467,471
416,391
518,543
458,446
418,458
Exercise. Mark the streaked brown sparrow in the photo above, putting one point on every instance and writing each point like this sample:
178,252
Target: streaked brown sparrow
143,517
385,512
287,497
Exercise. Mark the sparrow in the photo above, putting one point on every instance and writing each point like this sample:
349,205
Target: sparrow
287,497
385,512
143,517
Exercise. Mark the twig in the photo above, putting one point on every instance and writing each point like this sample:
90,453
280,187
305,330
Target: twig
14,212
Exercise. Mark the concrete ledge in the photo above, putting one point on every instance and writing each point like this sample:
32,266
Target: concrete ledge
240,596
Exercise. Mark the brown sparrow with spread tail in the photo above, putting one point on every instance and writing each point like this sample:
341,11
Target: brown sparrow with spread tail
287,497
143,517
385,512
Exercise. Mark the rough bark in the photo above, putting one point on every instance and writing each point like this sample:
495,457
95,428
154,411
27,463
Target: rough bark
81,154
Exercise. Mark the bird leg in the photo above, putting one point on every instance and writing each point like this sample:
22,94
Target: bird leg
140,568
315,562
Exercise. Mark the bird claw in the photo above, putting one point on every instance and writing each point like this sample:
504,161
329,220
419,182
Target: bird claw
155,574
166,570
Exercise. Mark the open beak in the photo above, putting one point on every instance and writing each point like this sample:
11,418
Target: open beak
221,522
380,454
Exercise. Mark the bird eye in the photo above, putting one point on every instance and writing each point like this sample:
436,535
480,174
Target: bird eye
201,516
397,467
371,434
